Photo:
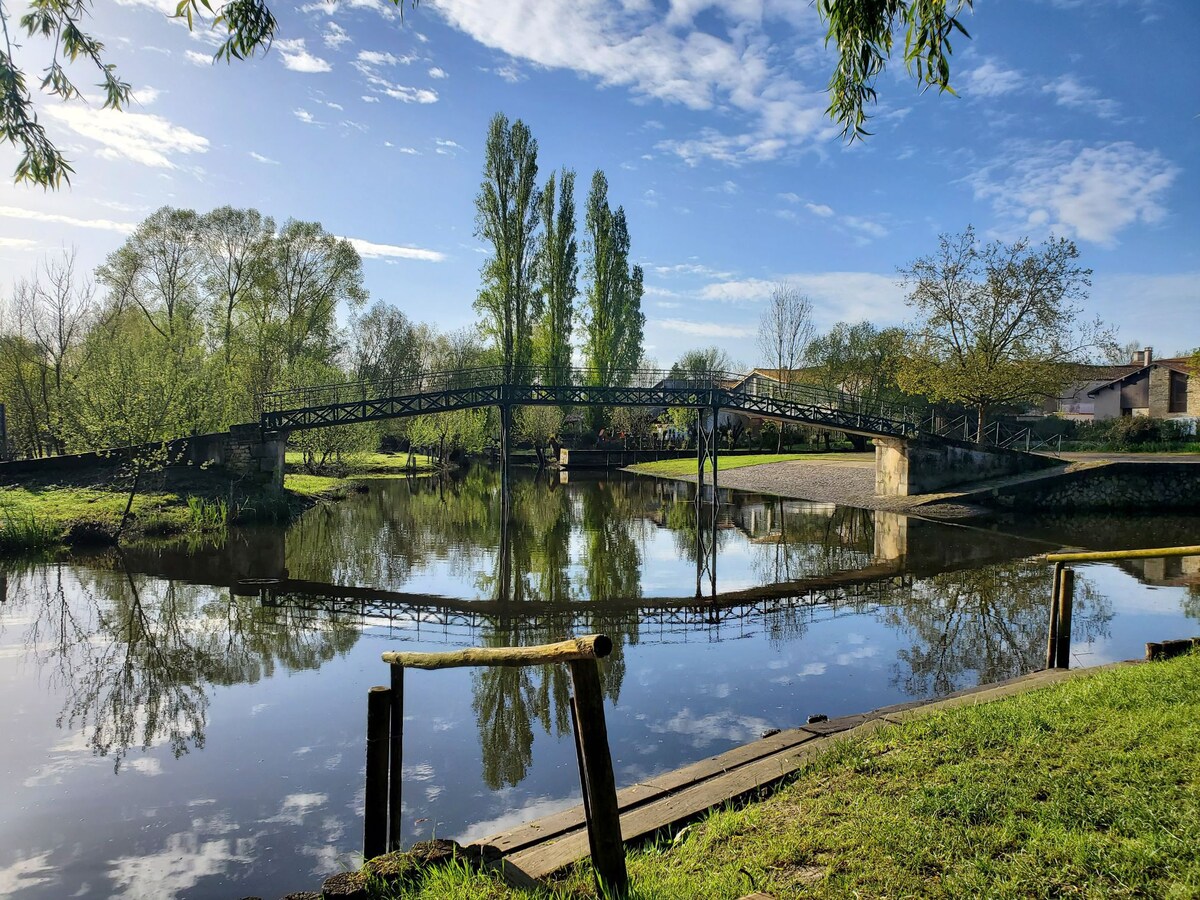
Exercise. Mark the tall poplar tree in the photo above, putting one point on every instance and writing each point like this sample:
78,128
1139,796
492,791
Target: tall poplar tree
558,273
506,216
612,314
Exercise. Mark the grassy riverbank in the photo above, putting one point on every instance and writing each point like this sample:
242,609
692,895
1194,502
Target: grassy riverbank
364,464
44,515
1089,788
673,468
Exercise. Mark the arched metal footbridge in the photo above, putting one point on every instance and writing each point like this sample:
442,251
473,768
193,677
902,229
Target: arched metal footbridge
433,392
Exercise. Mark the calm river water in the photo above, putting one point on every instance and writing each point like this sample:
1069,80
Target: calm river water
188,722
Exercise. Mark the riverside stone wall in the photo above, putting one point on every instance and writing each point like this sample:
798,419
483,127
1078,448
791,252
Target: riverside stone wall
243,451
1146,487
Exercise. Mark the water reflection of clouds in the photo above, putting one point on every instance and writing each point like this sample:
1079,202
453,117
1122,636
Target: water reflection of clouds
185,859
27,873
534,808
703,730
295,808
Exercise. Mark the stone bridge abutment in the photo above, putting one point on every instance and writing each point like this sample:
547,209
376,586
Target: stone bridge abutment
927,465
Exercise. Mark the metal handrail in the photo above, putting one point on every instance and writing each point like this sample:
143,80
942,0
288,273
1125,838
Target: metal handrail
732,384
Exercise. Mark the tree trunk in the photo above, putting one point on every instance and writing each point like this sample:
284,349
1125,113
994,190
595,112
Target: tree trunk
980,434
137,477
779,438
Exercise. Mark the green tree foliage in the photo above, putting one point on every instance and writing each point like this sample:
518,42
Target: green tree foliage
558,273
863,32
997,323
198,312
697,363
860,360
612,315
506,216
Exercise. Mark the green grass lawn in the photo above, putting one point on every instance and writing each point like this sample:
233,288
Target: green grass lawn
369,463
1088,788
672,468
38,518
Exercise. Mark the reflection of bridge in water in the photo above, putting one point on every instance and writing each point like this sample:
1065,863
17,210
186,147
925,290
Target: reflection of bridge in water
835,558
420,617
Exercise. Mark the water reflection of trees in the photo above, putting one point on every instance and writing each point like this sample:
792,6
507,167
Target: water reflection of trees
137,656
988,623
803,540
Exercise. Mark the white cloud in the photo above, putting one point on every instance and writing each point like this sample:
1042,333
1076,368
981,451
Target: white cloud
819,209
409,94
258,157
511,74
17,243
447,147
658,54
137,137
368,63
384,8
197,58
1091,193
367,98
706,329
991,80
383,251
145,96
297,58
865,226
377,58
836,296
438,72
1069,92
690,269
335,35
304,116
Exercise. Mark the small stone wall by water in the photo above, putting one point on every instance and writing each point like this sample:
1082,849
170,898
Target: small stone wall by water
242,451
1142,486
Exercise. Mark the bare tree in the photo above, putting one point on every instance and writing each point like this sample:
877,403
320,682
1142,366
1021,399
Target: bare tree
784,330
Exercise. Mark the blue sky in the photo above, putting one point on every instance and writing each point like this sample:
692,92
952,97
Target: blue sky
1077,118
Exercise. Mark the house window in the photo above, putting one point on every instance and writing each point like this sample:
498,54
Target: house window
1179,388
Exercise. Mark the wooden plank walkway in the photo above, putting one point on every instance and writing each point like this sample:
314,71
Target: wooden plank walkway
540,848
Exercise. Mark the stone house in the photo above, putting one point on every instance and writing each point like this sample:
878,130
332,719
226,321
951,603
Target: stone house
1162,388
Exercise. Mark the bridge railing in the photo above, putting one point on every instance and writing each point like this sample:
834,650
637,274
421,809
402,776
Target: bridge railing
731,389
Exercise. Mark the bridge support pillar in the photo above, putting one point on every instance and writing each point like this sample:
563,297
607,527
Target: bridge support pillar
706,450
908,466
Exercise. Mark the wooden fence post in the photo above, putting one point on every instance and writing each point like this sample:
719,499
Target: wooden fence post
396,760
1066,600
1052,632
375,813
599,787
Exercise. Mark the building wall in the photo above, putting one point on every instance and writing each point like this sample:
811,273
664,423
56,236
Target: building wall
1107,404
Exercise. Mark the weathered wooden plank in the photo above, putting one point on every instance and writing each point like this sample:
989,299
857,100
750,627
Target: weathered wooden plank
731,759
550,827
544,859
590,646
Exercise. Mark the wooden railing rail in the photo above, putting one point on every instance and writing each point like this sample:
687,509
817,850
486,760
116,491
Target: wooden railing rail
385,743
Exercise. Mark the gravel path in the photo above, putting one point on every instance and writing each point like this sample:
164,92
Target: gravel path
850,482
